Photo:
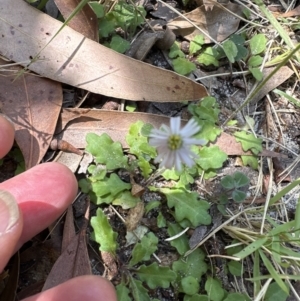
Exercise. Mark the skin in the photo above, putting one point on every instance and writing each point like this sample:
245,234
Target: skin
37,198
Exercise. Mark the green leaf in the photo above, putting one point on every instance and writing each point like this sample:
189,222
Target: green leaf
156,276
131,106
128,16
242,51
145,167
187,206
251,161
186,177
192,265
138,142
107,189
207,109
97,8
258,75
275,293
208,58
190,285
235,268
126,200
104,235
116,185
106,151
258,44
211,157
230,50
84,185
175,51
183,66
122,292
228,182
196,44
138,291
240,179
196,297
238,196
255,61
181,243
119,44
249,142
96,172
214,289
161,221
171,174
144,249
107,25
237,297
152,205
273,272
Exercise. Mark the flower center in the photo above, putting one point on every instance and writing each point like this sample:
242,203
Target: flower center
174,142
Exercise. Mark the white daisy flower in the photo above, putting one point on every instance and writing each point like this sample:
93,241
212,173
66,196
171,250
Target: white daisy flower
174,144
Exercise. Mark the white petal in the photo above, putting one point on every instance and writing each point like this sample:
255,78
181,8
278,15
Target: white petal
190,129
193,141
178,162
157,142
175,125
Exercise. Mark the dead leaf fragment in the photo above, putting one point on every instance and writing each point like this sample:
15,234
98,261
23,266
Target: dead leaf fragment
216,22
33,104
134,216
74,260
85,21
73,59
292,13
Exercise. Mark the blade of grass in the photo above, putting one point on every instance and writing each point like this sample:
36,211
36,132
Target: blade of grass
293,100
285,190
283,34
259,87
256,274
81,4
273,272
254,246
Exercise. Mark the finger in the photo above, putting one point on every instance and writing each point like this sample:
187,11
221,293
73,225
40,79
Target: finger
7,133
92,288
11,223
43,193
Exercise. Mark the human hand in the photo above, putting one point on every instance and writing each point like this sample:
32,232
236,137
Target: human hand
29,203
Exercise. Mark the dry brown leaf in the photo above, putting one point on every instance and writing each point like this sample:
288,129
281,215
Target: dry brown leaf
231,147
73,59
278,78
84,121
85,21
33,104
8,292
74,260
217,22
134,216
292,13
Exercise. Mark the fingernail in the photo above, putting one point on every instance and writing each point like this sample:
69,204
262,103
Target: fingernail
9,212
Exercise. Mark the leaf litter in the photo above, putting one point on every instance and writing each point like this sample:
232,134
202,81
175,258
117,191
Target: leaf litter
143,251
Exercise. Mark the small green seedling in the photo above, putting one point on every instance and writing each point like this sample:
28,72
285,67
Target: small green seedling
233,185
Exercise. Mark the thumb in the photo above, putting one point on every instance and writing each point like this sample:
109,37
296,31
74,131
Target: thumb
11,224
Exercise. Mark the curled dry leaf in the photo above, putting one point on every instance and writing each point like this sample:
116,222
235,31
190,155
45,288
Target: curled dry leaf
217,22
33,104
73,59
